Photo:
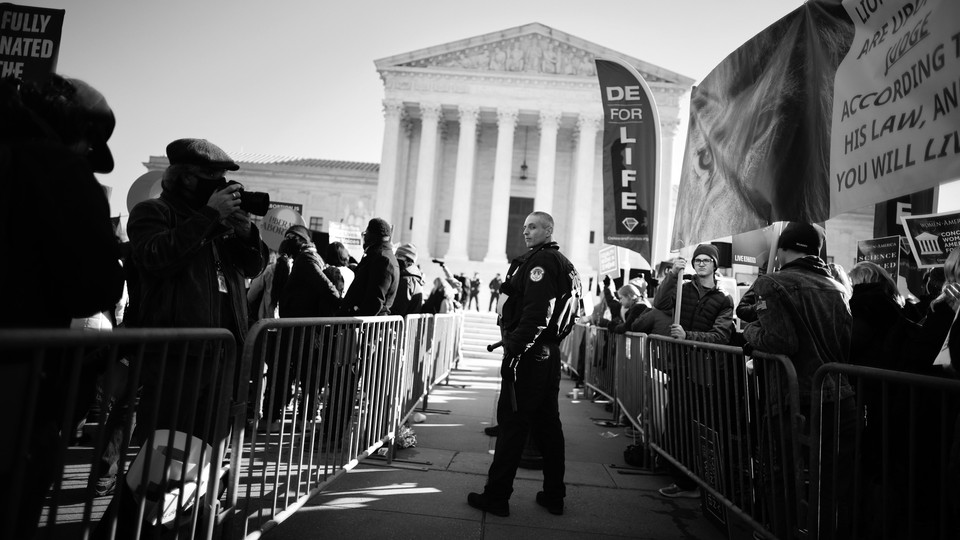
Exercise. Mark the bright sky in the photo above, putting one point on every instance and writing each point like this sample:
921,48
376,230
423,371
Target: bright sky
297,78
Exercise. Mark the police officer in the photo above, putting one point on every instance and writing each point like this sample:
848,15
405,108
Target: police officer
542,292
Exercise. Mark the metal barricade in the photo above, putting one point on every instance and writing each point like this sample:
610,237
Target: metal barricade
601,370
730,428
163,401
417,370
448,328
346,369
573,350
885,463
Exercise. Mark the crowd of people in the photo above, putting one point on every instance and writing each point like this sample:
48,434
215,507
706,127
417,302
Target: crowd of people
194,258
815,313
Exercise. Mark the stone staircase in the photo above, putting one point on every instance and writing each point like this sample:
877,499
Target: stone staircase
479,330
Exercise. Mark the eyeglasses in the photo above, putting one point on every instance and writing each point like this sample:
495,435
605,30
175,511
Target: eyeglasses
702,262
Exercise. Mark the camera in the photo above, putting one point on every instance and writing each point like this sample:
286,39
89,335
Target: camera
253,202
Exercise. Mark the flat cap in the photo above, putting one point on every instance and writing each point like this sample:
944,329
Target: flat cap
199,152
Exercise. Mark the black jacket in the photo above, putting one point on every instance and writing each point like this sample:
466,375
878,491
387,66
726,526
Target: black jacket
375,285
539,287
309,292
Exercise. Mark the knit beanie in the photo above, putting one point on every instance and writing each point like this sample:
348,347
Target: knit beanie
408,252
709,250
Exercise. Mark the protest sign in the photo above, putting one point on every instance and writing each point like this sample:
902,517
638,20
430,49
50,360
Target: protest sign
349,236
932,237
29,41
609,262
631,154
832,108
895,115
884,252
276,222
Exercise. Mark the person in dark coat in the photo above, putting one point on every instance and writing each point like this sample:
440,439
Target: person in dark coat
377,274
409,297
53,138
706,314
543,290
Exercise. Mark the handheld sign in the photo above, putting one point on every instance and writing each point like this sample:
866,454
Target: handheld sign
276,222
29,41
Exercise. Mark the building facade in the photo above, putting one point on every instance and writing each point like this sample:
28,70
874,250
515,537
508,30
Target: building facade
481,131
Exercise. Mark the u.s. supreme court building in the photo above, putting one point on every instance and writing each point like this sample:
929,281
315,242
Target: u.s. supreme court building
477,134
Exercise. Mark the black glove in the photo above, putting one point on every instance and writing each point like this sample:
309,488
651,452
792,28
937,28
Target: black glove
747,349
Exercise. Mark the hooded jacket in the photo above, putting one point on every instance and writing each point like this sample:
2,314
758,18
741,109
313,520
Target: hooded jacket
409,297
176,248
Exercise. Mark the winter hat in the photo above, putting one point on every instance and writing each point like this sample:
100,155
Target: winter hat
378,228
709,250
802,237
639,283
200,152
300,231
408,252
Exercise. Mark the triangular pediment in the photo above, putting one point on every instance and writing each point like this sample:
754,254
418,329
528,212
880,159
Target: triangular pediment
532,49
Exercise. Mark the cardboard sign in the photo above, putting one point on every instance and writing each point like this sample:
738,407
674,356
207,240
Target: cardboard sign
932,237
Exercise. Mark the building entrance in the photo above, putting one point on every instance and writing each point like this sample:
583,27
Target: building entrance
520,208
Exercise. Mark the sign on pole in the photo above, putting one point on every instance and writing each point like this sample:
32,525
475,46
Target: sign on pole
631,156
932,237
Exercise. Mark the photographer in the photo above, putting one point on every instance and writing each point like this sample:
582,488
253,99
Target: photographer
193,246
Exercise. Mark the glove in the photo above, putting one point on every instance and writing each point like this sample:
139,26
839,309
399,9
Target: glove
747,349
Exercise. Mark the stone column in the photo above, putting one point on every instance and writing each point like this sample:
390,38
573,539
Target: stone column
463,182
547,161
426,169
387,181
582,193
502,174
661,236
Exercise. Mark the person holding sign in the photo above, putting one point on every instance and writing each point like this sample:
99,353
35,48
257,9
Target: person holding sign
705,314
53,213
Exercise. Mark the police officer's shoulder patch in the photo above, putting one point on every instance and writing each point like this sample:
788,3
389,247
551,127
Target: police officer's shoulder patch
536,274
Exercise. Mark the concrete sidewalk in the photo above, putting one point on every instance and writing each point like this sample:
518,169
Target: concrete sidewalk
423,494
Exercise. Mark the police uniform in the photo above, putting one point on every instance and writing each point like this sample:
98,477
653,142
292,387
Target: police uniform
542,292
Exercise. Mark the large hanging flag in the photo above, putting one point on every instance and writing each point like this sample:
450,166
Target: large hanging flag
834,107
631,156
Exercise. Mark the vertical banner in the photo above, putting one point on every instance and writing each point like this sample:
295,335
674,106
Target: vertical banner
631,156
883,251
932,237
895,105
29,41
